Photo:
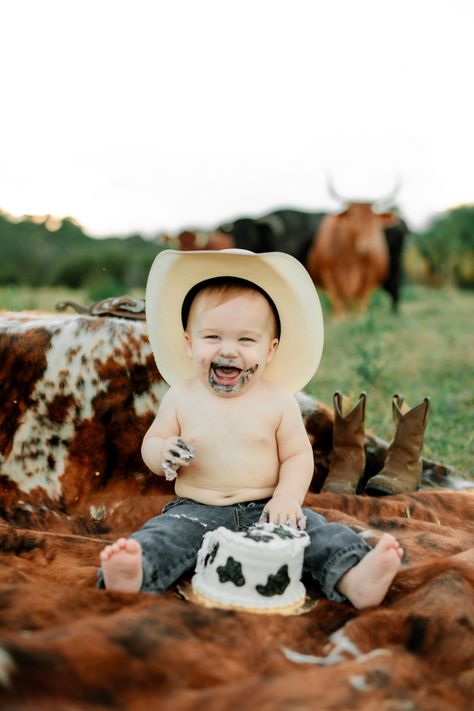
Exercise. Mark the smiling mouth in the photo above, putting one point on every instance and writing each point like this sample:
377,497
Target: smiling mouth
225,374
227,378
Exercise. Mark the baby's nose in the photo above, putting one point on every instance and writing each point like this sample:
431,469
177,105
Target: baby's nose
228,350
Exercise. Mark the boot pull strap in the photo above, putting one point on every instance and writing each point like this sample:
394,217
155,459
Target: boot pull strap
402,405
343,405
401,408
427,401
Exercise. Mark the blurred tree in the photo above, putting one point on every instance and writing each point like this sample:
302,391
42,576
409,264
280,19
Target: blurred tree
447,245
40,250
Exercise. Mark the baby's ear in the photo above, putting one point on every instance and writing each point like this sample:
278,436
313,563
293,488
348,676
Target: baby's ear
187,343
272,348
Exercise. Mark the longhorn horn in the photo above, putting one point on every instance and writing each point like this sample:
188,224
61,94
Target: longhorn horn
389,198
332,190
381,201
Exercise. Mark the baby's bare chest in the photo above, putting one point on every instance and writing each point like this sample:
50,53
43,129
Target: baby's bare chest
248,423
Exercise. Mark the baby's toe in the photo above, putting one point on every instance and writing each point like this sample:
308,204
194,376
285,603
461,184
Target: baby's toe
132,546
105,553
388,541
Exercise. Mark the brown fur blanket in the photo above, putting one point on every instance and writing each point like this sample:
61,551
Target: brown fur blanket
71,481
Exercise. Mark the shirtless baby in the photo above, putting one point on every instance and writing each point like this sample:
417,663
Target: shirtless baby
229,431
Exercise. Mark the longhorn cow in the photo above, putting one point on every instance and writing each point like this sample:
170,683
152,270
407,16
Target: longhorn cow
350,255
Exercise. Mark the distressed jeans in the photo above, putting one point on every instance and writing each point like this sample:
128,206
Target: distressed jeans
170,543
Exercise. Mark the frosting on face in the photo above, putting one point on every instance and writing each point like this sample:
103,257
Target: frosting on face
225,377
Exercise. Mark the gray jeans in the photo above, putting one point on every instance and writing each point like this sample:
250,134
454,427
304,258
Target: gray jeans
170,543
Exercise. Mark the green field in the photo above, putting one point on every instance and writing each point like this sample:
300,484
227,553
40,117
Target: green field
27,298
428,349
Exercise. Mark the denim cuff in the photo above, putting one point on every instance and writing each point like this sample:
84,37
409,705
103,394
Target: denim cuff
148,584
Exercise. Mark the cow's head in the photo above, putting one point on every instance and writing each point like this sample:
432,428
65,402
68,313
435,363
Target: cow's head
364,224
365,220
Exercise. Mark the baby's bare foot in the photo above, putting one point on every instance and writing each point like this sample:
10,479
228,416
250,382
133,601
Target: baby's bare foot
122,565
366,584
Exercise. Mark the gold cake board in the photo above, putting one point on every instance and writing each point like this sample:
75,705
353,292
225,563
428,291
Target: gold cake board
300,607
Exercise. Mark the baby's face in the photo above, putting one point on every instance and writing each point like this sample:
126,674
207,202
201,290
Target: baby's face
230,341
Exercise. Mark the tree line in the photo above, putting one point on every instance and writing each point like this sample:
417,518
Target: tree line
42,251
447,247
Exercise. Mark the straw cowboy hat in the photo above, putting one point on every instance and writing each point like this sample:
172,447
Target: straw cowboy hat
174,273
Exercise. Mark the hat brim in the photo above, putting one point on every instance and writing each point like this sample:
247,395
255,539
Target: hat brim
286,281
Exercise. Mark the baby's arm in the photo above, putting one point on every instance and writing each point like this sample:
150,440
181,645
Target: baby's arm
296,468
163,450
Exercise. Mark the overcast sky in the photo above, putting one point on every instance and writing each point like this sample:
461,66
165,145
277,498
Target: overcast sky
147,115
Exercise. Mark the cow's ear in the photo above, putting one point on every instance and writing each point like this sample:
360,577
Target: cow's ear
389,218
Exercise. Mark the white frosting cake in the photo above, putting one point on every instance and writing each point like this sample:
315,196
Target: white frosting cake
257,569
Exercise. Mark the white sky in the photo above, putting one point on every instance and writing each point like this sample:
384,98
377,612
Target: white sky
149,115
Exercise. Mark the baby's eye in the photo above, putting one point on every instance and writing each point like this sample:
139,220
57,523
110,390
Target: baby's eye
212,337
246,339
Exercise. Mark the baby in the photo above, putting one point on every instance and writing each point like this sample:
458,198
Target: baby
229,430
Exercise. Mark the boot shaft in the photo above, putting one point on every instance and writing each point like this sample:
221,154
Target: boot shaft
410,425
348,421
347,462
401,472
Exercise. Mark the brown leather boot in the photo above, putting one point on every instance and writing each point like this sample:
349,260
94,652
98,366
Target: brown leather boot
347,462
401,472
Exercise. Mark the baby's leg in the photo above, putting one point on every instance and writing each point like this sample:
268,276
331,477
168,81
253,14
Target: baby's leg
165,548
366,584
122,565
333,551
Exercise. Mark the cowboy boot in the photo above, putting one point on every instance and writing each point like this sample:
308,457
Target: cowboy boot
401,472
347,461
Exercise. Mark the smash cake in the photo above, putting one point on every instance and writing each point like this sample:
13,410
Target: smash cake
258,569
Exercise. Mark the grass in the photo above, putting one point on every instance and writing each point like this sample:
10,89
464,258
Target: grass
15,298
427,349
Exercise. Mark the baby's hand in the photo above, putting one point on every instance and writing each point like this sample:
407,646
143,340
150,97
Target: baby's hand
176,454
280,510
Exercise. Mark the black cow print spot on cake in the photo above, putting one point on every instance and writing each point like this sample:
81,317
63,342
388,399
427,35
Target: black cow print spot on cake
258,536
276,584
284,533
211,555
231,572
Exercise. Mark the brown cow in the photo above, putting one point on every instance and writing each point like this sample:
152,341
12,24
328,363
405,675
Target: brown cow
188,241
77,394
350,255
